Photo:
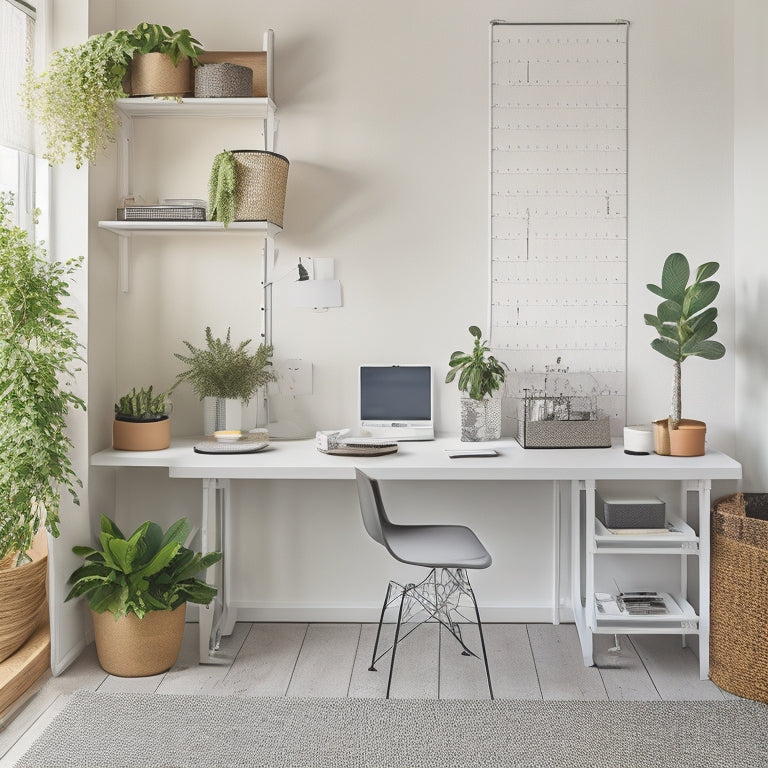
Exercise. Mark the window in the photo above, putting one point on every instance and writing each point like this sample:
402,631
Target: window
17,165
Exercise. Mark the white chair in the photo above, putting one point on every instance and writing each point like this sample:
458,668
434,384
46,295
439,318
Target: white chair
447,550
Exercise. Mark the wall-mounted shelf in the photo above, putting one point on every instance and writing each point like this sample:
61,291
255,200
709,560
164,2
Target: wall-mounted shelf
129,228
252,108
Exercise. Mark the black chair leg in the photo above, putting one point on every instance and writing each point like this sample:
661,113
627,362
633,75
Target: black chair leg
482,639
372,668
397,637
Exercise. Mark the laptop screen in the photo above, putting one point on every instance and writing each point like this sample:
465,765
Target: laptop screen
395,393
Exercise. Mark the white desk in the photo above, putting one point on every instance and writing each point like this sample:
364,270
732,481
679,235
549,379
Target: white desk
581,468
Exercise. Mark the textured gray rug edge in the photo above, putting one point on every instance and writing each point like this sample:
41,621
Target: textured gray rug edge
100,730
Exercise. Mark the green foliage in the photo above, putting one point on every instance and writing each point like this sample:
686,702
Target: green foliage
73,99
221,188
147,571
684,325
480,374
157,38
221,370
142,406
37,349
684,320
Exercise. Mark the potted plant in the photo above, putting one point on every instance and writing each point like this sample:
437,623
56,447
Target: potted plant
38,349
141,421
225,373
163,62
73,99
137,588
480,377
685,322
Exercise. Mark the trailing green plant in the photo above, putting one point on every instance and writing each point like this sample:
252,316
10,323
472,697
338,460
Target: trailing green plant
223,370
157,38
38,349
146,571
221,188
143,405
73,99
684,320
480,374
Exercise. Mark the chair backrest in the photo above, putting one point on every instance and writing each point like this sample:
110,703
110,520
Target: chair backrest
374,517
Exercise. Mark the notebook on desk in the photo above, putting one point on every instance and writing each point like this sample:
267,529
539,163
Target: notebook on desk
395,402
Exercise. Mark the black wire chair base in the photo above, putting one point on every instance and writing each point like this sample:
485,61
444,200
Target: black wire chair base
436,598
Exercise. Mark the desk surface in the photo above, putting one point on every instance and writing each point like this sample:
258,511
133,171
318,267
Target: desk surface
300,460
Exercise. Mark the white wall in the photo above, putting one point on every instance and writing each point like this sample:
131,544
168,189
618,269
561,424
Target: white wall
751,198
384,116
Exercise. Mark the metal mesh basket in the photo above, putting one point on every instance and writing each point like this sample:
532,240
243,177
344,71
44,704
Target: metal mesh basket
738,641
260,182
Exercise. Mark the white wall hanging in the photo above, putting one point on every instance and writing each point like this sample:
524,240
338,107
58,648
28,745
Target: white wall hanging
558,210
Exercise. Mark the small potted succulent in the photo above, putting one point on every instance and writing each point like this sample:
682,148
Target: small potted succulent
225,376
73,99
480,378
686,324
142,421
137,588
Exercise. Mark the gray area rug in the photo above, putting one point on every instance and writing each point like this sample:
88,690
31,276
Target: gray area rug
168,731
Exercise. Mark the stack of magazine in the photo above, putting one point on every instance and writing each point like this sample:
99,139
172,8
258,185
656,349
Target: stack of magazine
635,604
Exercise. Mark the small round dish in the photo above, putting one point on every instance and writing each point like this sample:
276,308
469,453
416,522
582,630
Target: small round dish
228,435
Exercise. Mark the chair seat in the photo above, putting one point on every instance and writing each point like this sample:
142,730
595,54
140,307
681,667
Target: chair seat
437,546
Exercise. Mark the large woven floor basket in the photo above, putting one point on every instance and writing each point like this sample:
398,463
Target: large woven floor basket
22,598
738,644
260,182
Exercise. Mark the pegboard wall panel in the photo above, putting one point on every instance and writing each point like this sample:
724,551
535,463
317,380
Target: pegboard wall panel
559,209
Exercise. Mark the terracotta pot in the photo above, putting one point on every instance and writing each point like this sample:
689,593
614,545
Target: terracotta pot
23,597
134,647
141,435
687,440
153,74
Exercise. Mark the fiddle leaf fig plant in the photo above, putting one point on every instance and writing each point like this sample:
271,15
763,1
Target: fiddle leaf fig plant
684,320
480,374
38,351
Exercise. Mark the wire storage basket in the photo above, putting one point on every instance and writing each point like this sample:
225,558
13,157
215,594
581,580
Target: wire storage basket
261,178
738,642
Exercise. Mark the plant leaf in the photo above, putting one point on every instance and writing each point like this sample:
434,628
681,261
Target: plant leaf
667,348
674,277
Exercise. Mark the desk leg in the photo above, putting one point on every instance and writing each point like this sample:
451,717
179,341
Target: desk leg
216,615
556,537
705,500
585,633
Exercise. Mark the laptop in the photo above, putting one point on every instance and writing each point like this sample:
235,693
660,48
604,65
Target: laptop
396,402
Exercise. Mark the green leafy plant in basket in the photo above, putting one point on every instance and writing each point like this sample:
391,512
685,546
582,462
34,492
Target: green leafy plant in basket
480,373
146,571
73,99
225,371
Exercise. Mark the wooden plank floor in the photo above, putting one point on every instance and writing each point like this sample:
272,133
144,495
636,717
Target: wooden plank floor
527,661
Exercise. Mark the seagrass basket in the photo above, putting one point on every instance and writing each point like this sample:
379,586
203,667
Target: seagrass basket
22,597
738,642
260,181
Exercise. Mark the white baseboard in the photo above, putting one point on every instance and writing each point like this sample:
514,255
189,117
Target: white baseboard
368,613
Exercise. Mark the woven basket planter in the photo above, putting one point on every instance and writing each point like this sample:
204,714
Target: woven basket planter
223,81
154,74
134,647
22,597
260,181
738,641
